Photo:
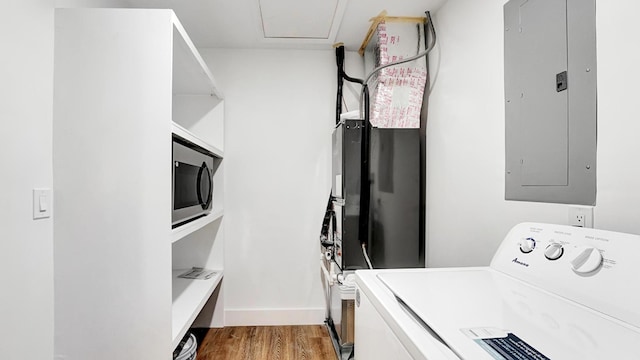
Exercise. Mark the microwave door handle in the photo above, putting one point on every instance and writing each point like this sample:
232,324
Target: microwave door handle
204,175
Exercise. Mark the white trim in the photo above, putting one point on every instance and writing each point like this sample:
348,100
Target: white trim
257,317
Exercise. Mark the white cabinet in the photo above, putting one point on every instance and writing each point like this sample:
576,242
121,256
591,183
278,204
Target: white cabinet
125,81
374,339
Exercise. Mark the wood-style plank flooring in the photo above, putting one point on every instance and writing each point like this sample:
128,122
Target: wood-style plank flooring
310,342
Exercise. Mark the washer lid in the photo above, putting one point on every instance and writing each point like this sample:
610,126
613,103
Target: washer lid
484,314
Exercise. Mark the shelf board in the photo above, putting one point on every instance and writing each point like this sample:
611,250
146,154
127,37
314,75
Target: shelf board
189,297
191,76
187,135
195,225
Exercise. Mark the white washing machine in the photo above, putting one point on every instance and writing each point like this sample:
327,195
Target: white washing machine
551,292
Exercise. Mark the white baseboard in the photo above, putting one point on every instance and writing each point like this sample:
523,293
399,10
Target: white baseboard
265,317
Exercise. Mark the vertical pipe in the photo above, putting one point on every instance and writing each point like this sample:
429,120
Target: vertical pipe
422,248
365,190
340,63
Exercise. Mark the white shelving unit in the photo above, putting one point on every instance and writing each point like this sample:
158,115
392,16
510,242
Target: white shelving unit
126,81
185,134
188,228
191,76
193,82
190,296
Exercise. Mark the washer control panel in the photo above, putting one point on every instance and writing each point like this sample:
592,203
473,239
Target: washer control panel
593,267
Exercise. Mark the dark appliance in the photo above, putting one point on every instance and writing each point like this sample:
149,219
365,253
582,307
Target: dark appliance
192,182
395,237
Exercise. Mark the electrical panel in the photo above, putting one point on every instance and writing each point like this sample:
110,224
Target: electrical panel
550,101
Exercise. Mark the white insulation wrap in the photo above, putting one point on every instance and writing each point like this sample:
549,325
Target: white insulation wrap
396,91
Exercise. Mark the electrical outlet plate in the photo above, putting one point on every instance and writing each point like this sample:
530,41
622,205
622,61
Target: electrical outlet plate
581,216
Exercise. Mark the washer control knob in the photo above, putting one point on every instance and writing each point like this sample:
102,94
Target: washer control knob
527,245
586,259
554,251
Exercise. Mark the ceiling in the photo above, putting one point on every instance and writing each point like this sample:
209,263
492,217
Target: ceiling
301,24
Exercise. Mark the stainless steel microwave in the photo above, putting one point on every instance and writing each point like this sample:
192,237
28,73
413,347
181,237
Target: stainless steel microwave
192,185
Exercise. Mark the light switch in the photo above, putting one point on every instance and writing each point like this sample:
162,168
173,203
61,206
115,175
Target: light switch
41,203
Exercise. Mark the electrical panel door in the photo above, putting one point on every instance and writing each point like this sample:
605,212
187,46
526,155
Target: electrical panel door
550,100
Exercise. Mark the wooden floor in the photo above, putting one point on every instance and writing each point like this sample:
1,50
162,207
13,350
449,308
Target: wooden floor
267,342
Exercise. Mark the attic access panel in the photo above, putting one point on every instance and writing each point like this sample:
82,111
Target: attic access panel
550,101
308,19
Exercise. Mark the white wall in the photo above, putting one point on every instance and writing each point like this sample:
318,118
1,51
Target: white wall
467,215
26,245
279,108
618,114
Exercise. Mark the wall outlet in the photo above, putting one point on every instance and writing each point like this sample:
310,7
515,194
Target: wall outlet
581,216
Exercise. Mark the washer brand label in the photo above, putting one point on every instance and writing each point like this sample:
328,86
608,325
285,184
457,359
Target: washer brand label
520,262
503,345
510,348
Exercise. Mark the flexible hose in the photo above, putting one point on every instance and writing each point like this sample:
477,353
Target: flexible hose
366,256
342,75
